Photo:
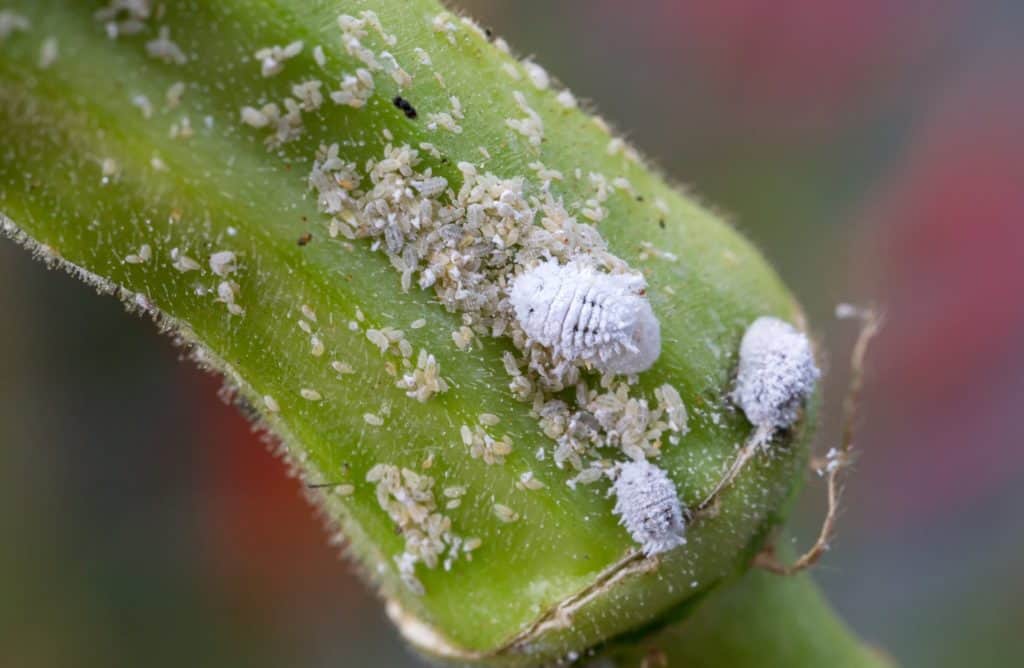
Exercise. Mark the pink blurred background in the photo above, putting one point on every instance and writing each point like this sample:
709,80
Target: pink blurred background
874,150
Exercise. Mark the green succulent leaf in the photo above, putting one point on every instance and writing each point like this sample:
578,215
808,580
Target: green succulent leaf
125,159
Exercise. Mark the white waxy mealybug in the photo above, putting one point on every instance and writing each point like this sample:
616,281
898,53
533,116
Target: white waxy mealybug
776,374
583,314
648,506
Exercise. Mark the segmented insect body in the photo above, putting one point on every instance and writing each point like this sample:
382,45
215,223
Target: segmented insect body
583,314
776,374
648,506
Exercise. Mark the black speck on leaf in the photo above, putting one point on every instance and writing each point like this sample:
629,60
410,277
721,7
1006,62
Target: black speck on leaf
405,106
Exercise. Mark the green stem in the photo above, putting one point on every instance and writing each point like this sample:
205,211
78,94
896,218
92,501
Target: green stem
94,167
760,621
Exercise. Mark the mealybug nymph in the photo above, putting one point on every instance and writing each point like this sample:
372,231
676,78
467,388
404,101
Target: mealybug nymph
583,314
648,506
776,375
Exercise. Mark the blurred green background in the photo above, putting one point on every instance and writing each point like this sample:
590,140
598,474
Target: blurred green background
874,150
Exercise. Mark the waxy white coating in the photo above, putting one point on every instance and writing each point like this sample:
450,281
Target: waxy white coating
648,506
583,314
776,374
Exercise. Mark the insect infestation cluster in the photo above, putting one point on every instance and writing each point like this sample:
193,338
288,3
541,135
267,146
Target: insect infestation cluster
569,305
606,321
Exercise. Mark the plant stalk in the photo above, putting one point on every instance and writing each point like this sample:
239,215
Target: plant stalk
128,153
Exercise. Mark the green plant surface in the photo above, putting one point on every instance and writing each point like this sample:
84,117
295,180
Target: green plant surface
761,620
223,189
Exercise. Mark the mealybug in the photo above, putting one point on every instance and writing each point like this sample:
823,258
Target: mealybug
776,375
648,506
583,314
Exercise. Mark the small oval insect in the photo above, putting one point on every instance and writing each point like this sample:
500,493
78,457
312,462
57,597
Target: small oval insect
583,314
776,374
648,506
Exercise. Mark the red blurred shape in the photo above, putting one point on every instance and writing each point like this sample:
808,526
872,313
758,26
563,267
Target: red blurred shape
950,365
264,539
794,63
